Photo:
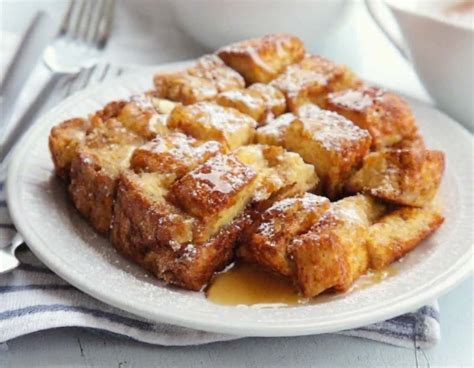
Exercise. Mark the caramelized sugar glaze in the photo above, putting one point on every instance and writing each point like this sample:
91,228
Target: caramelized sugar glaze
258,153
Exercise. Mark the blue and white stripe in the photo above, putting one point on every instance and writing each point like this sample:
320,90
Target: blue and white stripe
32,298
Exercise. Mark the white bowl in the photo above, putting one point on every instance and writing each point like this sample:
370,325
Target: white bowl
215,23
442,53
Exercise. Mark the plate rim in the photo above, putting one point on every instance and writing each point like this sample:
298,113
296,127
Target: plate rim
463,270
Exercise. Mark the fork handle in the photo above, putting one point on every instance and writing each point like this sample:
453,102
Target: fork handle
8,261
28,116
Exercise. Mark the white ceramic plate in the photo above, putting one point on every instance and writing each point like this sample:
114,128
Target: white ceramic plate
67,245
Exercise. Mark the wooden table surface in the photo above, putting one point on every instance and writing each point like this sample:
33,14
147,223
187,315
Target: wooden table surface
79,348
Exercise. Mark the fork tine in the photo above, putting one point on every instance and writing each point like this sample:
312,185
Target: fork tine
109,17
92,19
67,18
98,22
79,20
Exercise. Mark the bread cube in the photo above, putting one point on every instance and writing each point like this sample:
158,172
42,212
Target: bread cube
159,236
406,177
274,132
143,219
274,100
95,168
146,115
192,265
399,232
109,111
333,253
332,144
386,116
63,142
262,59
201,82
280,173
174,154
208,121
212,68
215,192
311,80
246,101
267,240
183,87
260,101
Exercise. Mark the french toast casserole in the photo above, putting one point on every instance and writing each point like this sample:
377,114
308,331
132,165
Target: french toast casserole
261,153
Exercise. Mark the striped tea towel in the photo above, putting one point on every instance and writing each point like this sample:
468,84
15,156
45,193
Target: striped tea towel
32,298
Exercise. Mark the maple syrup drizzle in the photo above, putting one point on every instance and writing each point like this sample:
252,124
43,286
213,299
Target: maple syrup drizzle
247,284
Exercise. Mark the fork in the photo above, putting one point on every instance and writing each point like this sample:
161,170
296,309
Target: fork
83,34
84,78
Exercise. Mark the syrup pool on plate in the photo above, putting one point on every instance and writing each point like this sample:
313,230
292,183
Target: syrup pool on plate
247,284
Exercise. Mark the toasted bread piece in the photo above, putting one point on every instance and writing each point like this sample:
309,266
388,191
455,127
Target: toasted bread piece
212,68
246,101
260,60
332,144
159,236
274,132
410,143
386,116
174,154
192,266
260,101
109,111
183,87
406,177
201,82
333,253
63,141
215,192
146,115
98,161
312,79
268,238
208,121
280,173
143,219
399,232
274,100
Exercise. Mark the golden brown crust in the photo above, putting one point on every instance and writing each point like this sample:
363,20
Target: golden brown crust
201,82
260,60
213,186
275,130
63,142
93,186
399,232
246,101
406,177
332,144
97,163
266,241
159,236
333,254
146,115
174,154
280,173
386,116
311,80
274,100
212,68
109,111
209,121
